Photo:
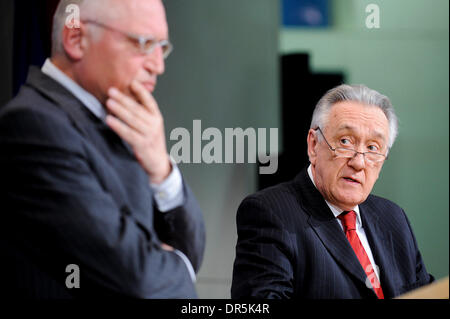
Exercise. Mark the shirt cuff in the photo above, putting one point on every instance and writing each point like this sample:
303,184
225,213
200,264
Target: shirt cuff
188,264
169,194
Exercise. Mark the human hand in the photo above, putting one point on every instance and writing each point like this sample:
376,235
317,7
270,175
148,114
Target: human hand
139,122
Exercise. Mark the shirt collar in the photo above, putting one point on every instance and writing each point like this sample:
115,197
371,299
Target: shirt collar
335,210
86,98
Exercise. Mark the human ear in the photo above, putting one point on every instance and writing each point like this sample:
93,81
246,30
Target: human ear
74,41
312,144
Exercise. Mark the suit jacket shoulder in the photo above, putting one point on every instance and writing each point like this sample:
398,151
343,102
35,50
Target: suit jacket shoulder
31,117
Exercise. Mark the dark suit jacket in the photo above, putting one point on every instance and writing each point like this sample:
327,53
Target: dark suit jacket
290,245
71,192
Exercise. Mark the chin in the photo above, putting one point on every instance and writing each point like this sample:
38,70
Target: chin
350,201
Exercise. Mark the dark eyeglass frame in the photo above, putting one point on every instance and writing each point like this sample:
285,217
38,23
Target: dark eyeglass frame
147,44
342,152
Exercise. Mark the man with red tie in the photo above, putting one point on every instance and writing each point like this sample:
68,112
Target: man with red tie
323,235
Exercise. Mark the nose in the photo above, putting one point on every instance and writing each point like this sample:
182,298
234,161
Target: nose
154,62
358,161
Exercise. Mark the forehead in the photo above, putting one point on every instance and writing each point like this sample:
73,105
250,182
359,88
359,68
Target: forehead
146,17
361,119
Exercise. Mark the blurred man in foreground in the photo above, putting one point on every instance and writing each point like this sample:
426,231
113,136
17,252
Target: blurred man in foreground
87,183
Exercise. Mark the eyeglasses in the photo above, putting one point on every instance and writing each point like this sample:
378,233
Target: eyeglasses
370,157
147,44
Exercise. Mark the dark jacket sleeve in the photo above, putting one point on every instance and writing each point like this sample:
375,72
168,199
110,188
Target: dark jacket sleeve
422,277
263,267
55,210
183,228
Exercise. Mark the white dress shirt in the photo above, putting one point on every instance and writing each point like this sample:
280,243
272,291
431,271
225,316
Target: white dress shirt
169,194
359,227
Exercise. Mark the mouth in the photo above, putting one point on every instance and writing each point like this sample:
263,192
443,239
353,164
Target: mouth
352,180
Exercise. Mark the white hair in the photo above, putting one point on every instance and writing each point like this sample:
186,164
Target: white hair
357,93
89,9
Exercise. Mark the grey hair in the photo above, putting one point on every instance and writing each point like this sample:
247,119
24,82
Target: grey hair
89,9
357,93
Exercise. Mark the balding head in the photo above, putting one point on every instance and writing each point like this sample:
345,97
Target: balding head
105,11
105,50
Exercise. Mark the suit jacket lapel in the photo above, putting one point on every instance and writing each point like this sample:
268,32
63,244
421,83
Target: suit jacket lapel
380,241
327,228
84,121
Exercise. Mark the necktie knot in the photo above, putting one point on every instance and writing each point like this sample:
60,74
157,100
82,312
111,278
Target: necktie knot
348,220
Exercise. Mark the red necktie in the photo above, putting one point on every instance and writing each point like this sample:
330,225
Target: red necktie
348,220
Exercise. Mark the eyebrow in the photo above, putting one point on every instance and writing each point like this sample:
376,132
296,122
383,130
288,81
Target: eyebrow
347,127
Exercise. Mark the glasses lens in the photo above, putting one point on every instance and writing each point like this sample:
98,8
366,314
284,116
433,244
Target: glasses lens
343,152
374,158
369,157
166,48
148,45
